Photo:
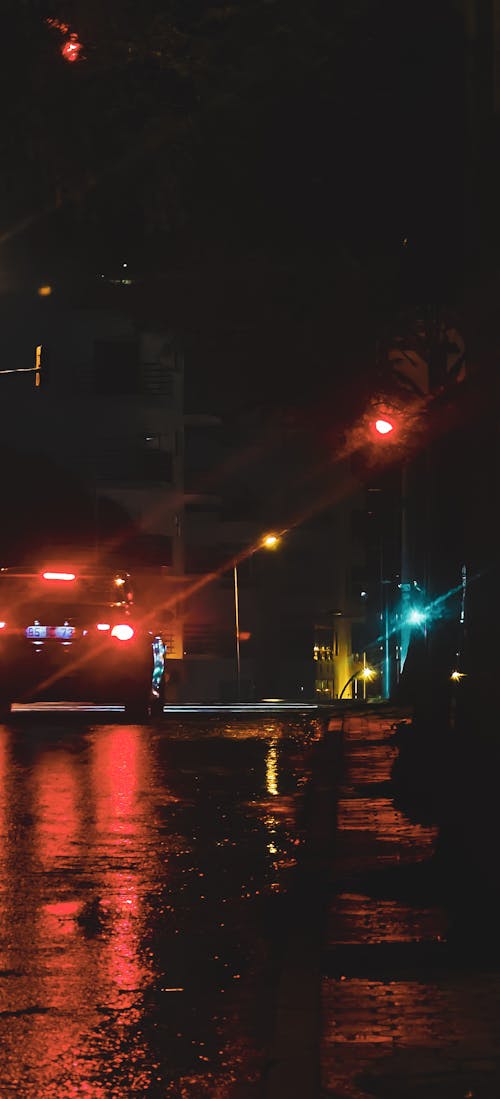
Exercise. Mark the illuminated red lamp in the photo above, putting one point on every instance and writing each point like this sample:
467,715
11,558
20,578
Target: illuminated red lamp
122,632
383,426
59,576
72,48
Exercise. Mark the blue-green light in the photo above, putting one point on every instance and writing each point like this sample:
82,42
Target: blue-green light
416,617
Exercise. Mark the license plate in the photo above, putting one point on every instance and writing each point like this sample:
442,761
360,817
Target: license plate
41,633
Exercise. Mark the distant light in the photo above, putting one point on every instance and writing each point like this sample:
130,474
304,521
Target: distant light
363,594
123,632
44,291
119,581
368,673
72,48
457,676
270,541
59,576
416,617
2,625
103,626
383,426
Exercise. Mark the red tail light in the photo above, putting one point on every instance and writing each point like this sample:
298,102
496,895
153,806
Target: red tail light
102,626
123,632
59,576
2,625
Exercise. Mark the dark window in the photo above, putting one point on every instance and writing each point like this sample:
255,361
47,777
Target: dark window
200,639
201,453
244,505
135,459
154,465
116,367
158,381
202,559
151,549
201,505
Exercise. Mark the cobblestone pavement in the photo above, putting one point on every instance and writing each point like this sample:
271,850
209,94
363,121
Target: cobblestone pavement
404,1016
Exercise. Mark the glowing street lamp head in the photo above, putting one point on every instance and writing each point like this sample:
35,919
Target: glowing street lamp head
383,426
270,541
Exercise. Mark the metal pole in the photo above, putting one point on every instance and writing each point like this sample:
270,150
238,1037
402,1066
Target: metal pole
237,631
387,667
405,570
351,677
384,619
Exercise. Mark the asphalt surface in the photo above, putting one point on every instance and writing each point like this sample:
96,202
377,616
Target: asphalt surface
405,1012
145,877
230,906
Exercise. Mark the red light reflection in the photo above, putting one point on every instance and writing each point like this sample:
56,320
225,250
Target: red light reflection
120,768
56,799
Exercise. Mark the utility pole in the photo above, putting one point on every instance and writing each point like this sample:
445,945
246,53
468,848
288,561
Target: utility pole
404,584
237,631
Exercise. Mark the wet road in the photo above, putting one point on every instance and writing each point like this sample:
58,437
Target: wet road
404,1016
143,881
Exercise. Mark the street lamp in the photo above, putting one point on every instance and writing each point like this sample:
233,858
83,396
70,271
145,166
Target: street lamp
366,674
388,424
269,542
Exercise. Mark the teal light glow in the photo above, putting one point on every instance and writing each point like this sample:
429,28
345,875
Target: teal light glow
416,617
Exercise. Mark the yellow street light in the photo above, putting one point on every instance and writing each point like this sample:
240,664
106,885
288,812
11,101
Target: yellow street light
366,673
270,541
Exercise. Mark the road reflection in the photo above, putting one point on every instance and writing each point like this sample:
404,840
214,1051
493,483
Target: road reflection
382,996
129,859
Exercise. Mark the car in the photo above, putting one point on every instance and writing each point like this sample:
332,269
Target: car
71,634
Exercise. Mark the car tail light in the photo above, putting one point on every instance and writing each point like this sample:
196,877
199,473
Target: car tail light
2,625
59,576
123,632
103,626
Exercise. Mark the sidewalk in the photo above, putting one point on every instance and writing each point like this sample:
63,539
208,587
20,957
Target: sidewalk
374,1001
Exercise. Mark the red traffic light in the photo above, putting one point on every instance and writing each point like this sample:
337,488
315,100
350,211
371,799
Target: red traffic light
383,427
72,48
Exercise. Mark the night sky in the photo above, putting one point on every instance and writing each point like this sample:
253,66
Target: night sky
279,176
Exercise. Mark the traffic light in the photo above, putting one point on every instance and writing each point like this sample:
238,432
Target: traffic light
41,367
38,364
383,426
